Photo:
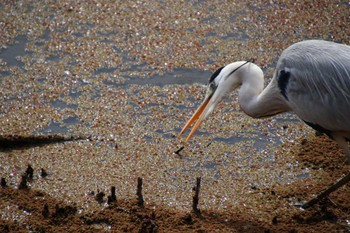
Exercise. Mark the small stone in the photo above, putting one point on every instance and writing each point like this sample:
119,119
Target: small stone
274,220
188,219
99,197
43,173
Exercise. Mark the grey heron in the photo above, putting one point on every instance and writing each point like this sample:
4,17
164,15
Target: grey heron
312,79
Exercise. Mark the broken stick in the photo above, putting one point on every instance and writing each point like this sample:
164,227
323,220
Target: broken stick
29,172
325,193
46,211
112,197
23,183
196,196
139,192
3,183
179,150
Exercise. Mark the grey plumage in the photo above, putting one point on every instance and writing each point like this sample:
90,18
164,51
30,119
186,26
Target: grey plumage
312,79
319,85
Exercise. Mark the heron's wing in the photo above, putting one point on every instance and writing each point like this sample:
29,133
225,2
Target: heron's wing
318,84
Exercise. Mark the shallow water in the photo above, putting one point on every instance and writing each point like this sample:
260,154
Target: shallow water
177,76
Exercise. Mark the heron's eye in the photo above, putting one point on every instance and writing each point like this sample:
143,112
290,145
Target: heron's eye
211,88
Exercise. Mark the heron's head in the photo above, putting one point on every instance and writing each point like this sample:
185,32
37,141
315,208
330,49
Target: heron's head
223,81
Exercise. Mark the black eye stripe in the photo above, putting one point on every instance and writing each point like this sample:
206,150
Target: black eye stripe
215,74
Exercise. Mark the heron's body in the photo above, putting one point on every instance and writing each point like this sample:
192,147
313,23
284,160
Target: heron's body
312,79
318,86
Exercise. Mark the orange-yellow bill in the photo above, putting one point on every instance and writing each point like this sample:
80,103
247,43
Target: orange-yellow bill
195,116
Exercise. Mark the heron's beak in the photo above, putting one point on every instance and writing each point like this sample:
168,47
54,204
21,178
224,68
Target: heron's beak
204,109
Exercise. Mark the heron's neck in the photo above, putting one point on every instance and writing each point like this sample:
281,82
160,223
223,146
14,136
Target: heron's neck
258,102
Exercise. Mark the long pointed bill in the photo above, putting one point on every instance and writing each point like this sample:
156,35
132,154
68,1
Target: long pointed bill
198,114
